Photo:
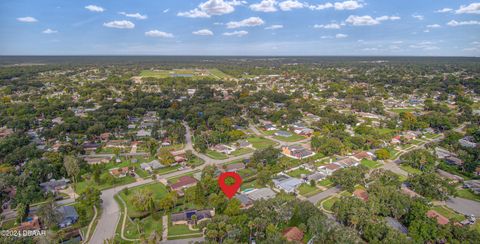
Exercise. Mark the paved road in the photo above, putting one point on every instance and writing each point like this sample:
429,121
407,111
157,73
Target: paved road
464,206
111,211
11,214
324,194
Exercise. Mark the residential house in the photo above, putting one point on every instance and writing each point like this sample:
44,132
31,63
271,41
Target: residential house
32,223
186,216
120,172
328,169
453,160
441,220
223,149
396,140
443,153
283,133
245,201
183,183
364,155
293,234
90,147
69,216
468,141
144,133
477,171
395,224
261,193
286,183
347,162
166,142
297,152
243,144
4,132
97,160
117,144
151,166
54,185
361,194
232,167
316,176
449,176
269,127
473,185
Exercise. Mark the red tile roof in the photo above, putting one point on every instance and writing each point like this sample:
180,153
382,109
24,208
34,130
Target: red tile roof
362,194
293,234
441,220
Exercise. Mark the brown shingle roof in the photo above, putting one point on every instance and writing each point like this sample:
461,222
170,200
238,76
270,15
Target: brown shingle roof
293,234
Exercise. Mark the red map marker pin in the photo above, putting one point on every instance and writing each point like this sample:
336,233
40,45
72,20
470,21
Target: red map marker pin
229,190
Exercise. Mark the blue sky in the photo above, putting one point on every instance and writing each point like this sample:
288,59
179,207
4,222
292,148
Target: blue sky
235,27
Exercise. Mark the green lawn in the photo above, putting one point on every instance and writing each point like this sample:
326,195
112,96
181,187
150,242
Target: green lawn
159,191
325,183
410,170
468,194
155,74
260,142
242,151
82,185
292,138
215,154
174,230
195,161
249,185
328,204
167,170
370,163
384,131
307,190
449,213
8,224
146,225
298,172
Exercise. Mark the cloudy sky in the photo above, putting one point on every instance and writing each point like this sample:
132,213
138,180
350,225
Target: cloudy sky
236,27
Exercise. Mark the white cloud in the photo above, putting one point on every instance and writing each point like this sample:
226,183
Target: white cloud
338,36
237,3
210,8
368,20
326,37
157,33
236,33
274,27
397,42
328,26
264,6
444,10
49,31
290,4
417,16
27,19
321,6
434,26
166,10
135,15
473,8
95,8
425,45
252,21
194,13
203,32
120,24
348,5
459,23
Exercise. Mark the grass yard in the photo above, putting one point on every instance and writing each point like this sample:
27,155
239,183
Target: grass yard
268,132
82,185
370,163
248,185
292,138
195,162
159,191
410,170
167,170
325,183
400,110
298,172
328,203
449,213
431,136
174,230
146,225
215,154
468,194
241,151
260,142
385,131
307,190
7,224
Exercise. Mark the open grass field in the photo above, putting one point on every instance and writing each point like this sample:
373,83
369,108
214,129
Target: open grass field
159,191
328,203
146,225
185,73
298,172
292,138
467,194
260,142
242,151
410,170
215,154
82,185
307,190
408,109
449,213
371,164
